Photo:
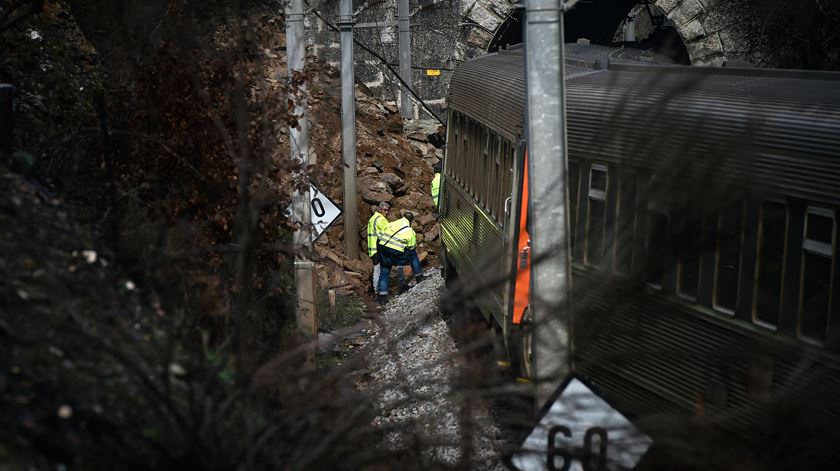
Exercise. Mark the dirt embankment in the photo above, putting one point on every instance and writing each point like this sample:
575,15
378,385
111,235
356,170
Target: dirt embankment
393,165
171,139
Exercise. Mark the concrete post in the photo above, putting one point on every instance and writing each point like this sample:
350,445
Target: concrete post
406,107
306,314
547,167
348,131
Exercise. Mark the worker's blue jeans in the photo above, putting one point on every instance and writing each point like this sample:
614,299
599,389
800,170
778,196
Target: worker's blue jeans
391,258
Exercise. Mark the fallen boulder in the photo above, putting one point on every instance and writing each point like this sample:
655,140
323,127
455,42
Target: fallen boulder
393,181
376,197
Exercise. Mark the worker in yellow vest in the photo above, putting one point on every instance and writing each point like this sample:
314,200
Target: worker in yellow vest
397,247
377,224
436,184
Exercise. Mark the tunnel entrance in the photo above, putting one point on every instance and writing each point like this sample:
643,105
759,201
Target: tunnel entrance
509,33
631,23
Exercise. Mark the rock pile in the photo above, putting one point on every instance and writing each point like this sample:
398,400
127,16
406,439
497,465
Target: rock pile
394,164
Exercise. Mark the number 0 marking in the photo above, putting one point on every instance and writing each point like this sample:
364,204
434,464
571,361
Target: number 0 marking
318,207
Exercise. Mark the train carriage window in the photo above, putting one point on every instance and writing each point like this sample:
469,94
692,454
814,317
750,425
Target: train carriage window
688,242
509,158
490,176
468,155
598,181
465,152
595,221
493,181
498,188
817,262
462,168
453,149
479,164
498,149
453,152
487,175
730,225
475,161
481,168
772,237
475,175
625,228
656,240
462,150
574,188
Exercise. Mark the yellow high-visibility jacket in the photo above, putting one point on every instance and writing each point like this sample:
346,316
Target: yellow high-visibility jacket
377,224
436,188
399,236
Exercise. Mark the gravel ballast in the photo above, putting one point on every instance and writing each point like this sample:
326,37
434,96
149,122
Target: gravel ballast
414,368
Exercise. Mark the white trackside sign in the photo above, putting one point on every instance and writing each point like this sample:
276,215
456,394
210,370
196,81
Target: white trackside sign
579,431
323,211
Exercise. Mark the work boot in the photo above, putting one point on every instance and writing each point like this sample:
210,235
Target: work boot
419,278
382,300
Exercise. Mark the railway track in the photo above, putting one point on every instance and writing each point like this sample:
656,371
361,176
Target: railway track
426,377
487,372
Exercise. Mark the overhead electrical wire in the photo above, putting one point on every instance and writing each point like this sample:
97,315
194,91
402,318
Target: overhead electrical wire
384,62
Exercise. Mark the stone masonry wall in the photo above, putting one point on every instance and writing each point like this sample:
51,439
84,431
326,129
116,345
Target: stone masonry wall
701,26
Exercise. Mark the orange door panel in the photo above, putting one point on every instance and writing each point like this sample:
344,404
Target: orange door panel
522,284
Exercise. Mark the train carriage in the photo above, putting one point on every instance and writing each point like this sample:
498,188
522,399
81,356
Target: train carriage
703,215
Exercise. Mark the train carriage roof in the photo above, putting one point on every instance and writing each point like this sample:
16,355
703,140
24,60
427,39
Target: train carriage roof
491,89
780,127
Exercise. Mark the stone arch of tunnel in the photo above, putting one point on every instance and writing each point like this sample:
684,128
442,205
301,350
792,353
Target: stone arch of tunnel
696,34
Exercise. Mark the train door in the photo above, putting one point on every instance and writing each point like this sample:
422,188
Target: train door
519,338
